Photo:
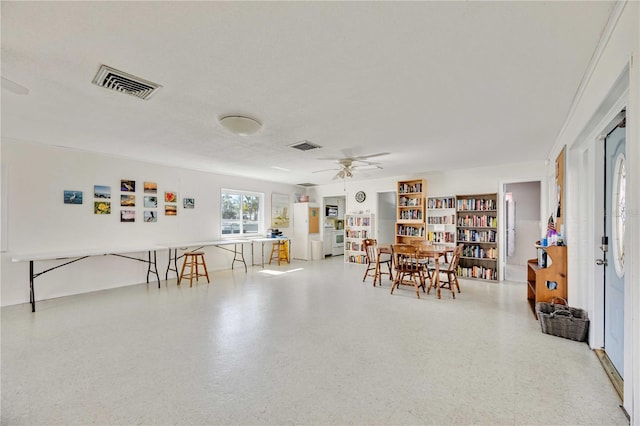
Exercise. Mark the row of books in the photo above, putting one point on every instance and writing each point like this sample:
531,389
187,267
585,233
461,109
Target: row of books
480,252
405,188
441,237
410,231
358,259
477,272
350,233
409,201
353,246
441,203
358,221
441,220
411,214
472,235
476,220
476,204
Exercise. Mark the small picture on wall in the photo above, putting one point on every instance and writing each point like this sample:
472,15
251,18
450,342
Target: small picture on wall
188,203
150,188
127,185
127,215
72,197
127,200
170,210
102,207
150,201
170,197
150,216
101,191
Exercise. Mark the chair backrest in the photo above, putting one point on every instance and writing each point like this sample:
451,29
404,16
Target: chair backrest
369,246
457,252
405,257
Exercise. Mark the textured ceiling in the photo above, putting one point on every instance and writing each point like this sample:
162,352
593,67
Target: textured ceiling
434,84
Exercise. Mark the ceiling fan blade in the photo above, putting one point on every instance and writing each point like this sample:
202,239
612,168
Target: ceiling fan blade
364,157
325,170
369,166
14,87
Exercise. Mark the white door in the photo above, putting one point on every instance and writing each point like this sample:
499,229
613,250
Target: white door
613,245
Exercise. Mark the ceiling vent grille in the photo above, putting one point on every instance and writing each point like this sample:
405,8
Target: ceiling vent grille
305,146
113,79
307,184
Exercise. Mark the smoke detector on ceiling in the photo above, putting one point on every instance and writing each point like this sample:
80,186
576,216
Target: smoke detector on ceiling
240,124
120,81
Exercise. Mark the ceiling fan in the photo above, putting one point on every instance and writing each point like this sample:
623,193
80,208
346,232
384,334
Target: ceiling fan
346,165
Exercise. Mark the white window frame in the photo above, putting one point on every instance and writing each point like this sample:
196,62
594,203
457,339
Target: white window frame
242,233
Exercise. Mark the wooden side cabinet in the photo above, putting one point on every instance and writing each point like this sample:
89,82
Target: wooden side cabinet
544,282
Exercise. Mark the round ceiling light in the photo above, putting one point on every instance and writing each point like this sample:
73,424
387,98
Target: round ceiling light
240,124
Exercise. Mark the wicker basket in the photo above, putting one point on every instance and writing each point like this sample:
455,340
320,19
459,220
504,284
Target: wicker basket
562,320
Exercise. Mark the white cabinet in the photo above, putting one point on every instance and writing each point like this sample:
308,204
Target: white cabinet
306,227
328,239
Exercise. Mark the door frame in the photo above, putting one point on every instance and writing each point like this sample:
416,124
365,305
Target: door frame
584,209
502,242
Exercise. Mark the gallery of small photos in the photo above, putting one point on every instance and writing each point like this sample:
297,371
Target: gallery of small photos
102,201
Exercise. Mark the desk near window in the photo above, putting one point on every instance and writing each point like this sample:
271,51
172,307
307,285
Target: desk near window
264,240
80,254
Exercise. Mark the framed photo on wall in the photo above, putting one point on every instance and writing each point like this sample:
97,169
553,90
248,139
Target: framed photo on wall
279,210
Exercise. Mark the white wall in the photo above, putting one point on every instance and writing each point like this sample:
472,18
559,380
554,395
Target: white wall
598,100
36,219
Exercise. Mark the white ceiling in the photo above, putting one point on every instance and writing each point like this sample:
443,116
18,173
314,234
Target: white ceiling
435,84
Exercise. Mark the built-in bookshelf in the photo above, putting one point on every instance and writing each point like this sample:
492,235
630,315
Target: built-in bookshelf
477,229
357,227
411,211
441,220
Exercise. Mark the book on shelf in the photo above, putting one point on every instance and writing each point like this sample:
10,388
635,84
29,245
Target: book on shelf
478,221
441,220
441,203
475,204
407,188
475,236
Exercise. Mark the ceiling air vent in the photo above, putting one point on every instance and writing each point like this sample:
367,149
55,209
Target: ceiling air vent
305,146
111,78
306,184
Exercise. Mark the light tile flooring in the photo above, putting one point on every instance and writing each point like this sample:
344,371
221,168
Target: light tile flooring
307,346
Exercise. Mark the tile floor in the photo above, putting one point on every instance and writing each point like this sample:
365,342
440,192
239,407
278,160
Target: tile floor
312,345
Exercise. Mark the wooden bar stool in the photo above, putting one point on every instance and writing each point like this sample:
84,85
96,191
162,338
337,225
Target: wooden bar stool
193,261
279,252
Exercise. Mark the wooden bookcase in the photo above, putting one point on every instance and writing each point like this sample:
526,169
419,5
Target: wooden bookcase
411,211
477,228
357,227
544,282
441,220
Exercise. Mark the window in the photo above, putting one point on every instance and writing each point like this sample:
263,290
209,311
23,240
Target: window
620,215
242,213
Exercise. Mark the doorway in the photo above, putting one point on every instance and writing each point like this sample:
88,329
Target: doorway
386,217
521,227
612,245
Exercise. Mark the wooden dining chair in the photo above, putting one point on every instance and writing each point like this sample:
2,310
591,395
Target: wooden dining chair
449,271
375,260
408,270
425,262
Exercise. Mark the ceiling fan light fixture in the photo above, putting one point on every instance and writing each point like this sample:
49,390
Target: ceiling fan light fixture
240,124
